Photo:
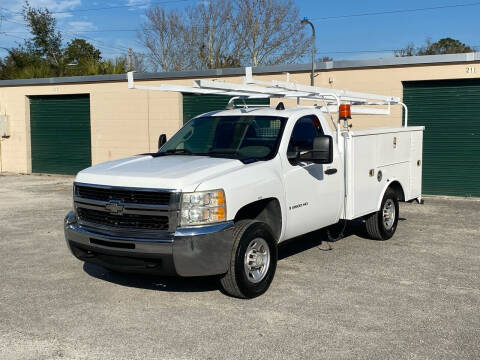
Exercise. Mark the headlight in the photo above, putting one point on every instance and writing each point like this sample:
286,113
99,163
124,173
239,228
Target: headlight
203,207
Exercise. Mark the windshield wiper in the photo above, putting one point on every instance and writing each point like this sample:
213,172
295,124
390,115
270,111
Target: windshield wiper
223,152
171,152
178,151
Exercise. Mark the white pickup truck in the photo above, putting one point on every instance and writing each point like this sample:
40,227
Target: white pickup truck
229,186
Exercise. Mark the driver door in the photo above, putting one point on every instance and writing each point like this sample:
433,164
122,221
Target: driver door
314,192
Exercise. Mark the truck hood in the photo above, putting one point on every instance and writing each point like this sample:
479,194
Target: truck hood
177,172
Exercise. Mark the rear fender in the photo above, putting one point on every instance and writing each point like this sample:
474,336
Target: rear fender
397,186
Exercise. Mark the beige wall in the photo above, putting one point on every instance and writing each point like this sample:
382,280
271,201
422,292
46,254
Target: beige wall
126,122
123,122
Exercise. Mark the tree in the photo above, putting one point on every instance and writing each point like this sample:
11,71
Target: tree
78,50
139,62
409,50
212,44
43,55
46,41
21,64
269,31
163,34
445,46
442,46
223,33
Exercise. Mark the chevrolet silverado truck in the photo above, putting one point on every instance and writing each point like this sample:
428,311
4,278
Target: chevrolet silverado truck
230,185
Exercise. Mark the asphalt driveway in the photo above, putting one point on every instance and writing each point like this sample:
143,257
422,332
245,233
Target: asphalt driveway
416,296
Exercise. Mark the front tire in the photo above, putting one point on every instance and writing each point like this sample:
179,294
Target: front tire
253,261
382,224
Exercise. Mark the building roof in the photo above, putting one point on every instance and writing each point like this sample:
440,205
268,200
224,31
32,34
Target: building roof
325,66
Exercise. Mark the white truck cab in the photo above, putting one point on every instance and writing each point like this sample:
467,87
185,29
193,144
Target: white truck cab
229,186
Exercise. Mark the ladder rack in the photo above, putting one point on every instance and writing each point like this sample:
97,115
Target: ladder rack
361,103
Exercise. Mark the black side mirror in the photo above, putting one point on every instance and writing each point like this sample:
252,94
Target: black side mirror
322,152
162,139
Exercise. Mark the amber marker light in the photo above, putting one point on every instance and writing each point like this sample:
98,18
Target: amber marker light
344,111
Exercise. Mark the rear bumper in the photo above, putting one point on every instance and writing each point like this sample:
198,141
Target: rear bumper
197,251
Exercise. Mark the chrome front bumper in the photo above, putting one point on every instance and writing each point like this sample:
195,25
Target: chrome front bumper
197,251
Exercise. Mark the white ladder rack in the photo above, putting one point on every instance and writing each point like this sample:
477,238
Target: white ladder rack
361,103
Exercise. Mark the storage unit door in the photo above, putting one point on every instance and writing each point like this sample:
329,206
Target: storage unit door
194,104
60,133
450,111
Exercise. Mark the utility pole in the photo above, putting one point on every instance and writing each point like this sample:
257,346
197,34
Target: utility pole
129,61
314,50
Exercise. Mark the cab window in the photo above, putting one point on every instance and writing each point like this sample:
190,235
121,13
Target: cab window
303,133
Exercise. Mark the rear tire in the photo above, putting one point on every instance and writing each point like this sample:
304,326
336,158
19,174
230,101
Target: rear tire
382,224
253,261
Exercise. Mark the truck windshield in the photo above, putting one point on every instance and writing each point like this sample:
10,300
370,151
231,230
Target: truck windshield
237,137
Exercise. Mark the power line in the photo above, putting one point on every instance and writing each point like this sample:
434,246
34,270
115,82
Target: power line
75,34
106,7
10,35
384,12
387,12
322,52
123,49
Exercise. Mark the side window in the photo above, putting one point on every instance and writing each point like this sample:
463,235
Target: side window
303,133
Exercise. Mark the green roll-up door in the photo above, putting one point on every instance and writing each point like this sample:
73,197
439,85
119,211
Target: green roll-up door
194,105
450,111
60,133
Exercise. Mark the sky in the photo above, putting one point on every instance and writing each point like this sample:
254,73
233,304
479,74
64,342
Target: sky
348,29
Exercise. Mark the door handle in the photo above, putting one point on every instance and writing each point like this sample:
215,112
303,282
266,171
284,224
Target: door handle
330,171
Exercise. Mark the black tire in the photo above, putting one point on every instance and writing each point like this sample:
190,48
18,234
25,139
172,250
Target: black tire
375,223
236,282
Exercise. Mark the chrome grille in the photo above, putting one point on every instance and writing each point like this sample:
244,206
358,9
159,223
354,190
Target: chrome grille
125,211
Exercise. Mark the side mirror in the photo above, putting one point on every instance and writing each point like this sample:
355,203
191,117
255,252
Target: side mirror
162,139
322,152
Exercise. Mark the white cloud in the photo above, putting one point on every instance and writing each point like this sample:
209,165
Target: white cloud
138,4
77,26
14,7
14,26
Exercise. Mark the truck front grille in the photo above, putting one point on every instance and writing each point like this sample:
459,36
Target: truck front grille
126,211
123,221
125,195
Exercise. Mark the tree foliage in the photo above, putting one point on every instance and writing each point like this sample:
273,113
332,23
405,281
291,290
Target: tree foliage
43,55
46,41
442,46
78,50
224,33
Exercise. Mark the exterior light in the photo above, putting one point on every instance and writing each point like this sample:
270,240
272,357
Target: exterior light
344,111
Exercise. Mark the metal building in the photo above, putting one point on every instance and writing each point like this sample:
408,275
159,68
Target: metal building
61,125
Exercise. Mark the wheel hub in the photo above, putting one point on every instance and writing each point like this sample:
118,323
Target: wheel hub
257,260
389,214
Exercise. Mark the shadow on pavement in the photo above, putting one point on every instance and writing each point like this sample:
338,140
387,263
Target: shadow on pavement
210,283
150,282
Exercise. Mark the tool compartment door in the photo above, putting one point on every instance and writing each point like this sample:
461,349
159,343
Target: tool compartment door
377,158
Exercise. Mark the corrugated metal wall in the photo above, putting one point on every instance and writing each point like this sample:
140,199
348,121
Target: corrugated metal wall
60,133
450,111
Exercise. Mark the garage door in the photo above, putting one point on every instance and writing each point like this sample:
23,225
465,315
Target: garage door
450,111
194,105
60,133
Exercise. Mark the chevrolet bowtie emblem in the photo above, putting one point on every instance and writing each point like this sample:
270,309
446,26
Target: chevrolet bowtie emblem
114,207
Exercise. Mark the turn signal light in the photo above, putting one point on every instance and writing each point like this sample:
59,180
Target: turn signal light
344,111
